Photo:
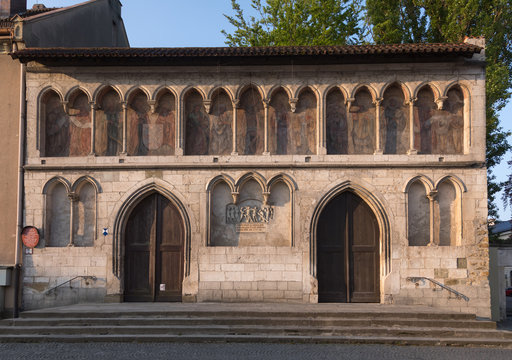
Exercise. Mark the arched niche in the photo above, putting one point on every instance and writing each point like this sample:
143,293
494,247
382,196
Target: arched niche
163,121
57,215
140,134
55,125
84,215
279,132
80,123
221,121
108,128
394,121
303,125
250,123
222,232
449,128
418,214
197,124
336,122
447,219
362,123
425,111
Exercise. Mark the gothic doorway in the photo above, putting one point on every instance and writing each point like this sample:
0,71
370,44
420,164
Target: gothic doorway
154,237
348,251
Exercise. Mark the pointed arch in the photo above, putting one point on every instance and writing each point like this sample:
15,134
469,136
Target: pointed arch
189,89
276,88
104,88
335,87
463,87
215,91
375,205
405,89
362,87
46,90
427,84
130,93
86,178
247,86
47,186
162,90
222,177
75,90
129,202
251,176
425,180
287,179
459,184
311,88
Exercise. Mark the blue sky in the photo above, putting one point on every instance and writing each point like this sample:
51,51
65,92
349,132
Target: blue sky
178,23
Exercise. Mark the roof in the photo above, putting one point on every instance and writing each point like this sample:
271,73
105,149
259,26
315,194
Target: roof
343,53
501,227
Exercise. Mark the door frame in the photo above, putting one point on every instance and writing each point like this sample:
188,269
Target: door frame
128,204
376,205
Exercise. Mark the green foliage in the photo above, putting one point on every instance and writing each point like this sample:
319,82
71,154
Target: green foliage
295,22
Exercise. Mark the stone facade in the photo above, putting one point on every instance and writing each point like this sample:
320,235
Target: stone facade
257,267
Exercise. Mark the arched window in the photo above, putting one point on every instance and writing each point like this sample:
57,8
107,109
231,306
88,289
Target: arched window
279,133
57,216
418,215
108,131
139,137
425,110
336,123
362,124
221,120
55,127
197,128
303,125
79,124
250,123
394,122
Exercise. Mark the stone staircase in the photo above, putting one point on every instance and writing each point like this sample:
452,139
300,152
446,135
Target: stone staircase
270,323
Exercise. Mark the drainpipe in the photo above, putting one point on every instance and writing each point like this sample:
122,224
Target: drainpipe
19,220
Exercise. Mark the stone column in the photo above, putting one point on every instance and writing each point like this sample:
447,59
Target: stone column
378,145
179,125
124,104
321,127
432,198
412,146
350,142
93,128
236,105
73,199
266,104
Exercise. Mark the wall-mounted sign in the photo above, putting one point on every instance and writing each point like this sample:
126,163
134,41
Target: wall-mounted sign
105,231
30,236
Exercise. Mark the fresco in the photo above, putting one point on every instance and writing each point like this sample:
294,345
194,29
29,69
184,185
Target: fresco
303,123
418,215
424,110
394,122
336,123
162,122
138,126
56,124
362,124
221,120
446,222
80,126
250,123
84,216
108,131
279,123
197,132
57,215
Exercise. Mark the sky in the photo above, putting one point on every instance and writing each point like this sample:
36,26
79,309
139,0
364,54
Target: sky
198,23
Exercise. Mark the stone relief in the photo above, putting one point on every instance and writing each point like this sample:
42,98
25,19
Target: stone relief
236,214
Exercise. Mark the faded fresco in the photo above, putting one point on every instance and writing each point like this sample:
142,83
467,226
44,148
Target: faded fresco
221,120
108,132
279,131
57,215
303,122
56,126
222,232
418,218
394,122
197,132
250,123
446,222
439,131
336,123
138,126
362,124
160,132
84,214
80,126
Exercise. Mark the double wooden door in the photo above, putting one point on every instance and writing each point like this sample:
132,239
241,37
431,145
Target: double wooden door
348,251
153,269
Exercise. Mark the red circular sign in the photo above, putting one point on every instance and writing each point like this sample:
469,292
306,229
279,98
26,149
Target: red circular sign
30,236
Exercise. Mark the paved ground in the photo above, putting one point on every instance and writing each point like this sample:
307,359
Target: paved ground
242,352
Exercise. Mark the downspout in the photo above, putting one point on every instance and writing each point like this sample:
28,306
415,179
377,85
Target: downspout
19,220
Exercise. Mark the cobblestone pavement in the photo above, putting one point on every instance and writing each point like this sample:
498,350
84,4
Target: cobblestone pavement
58,351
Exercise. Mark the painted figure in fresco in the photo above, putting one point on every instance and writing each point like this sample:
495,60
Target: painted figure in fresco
109,141
198,130
303,126
165,124
138,119
455,107
393,125
363,119
424,109
282,121
57,128
220,133
80,127
251,134
337,129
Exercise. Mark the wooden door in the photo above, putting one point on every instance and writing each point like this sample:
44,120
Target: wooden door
153,252
348,251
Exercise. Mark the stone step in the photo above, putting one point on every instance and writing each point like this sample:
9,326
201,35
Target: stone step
275,330
298,321
196,338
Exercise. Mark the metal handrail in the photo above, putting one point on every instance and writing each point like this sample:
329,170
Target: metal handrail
85,277
416,279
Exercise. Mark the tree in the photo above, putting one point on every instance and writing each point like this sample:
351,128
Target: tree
295,22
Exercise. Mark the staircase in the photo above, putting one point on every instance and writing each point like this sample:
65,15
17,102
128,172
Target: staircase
270,323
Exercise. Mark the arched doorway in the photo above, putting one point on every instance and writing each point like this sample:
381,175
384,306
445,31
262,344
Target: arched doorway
348,251
154,251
